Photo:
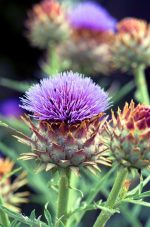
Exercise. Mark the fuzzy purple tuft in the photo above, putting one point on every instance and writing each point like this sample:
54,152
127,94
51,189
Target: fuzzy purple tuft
68,97
90,15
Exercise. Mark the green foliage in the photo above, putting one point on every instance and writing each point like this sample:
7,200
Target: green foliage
15,85
31,221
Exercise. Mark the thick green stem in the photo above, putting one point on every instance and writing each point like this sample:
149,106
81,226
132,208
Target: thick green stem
63,197
105,215
4,220
52,65
141,85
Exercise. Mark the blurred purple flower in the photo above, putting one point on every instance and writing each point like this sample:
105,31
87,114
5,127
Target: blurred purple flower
68,97
10,108
90,15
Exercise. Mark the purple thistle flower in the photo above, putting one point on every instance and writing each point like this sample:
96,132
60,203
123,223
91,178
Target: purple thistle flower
68,97
90,15
10,108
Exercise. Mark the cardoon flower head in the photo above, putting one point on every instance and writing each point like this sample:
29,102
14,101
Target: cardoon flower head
92,16
69,97
68,110
130,136
131,44
92,30
8,188
47,24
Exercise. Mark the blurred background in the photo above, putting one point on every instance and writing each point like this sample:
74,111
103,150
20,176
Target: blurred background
20,61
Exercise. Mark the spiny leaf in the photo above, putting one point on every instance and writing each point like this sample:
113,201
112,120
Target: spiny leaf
23,219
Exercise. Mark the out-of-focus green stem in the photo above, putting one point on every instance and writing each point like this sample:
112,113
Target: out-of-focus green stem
141,84
52,65
63,198
116,189
4,220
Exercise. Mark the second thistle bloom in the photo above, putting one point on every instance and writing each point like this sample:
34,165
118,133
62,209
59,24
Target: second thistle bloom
88,49
68,112
130,136
47,24
131,46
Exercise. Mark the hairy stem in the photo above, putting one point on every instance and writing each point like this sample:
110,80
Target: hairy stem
112,198
63,198
4,220
141,85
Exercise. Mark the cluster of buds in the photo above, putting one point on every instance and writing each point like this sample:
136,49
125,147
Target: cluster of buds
46,24
130,136
131,46
8,188
86,39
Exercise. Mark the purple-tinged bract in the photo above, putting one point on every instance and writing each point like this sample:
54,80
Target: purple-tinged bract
68,97
91,16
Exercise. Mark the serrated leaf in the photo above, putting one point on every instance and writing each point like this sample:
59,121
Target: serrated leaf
23,219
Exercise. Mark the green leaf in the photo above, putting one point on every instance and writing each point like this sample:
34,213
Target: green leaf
32,215
137,189
15,85
15,224
23,219
123,91
138,202
142,195
94,206
36,181
48,216
14,123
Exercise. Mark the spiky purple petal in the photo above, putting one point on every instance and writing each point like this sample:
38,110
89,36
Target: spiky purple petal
68,97
91,16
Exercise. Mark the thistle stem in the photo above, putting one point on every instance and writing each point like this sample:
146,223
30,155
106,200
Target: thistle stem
116,189
63,197
4,220
141,84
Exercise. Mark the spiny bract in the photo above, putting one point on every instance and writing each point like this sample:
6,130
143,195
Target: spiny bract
130,136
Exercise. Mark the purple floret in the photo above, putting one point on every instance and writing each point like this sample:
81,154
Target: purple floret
90,15
68,97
